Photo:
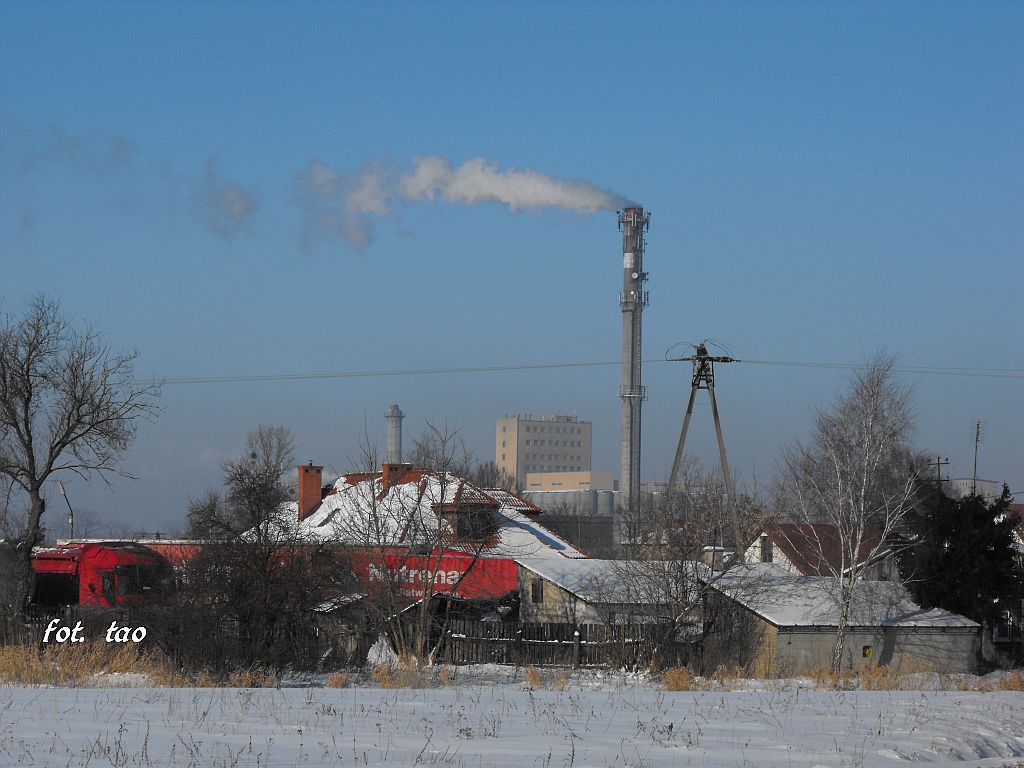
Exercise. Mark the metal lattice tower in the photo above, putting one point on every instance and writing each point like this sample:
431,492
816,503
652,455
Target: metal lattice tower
704,378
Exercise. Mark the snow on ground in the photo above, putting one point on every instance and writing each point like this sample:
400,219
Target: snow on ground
488,717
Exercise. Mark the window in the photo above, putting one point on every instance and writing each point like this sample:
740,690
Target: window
502,443
766,549
475,525
536,591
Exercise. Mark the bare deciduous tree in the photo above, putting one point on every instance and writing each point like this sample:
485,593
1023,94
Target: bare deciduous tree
259,574
68,403
857,475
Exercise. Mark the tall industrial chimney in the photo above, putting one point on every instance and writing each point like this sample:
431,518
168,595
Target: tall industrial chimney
394,417
633,223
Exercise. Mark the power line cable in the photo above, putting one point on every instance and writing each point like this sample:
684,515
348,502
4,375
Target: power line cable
1006,373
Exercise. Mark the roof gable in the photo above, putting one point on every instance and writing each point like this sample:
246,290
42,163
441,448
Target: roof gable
816,549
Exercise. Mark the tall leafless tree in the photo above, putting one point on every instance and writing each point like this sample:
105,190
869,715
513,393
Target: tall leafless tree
251,595
68,403
856,474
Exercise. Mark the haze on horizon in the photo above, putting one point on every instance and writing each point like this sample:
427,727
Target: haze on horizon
391,187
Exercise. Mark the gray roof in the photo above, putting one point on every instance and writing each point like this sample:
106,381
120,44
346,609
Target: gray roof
619,581
788,600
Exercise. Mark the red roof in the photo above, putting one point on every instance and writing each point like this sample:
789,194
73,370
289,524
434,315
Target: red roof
815,549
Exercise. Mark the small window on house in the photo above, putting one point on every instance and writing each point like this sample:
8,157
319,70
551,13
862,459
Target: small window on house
475,525
766,550
536,591
866,652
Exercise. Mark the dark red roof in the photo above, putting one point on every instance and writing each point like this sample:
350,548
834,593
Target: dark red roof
815,549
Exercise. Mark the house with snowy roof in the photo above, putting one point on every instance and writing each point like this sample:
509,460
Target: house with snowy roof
592,591
817,549
793,621
425,532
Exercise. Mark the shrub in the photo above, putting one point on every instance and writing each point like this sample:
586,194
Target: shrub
678,679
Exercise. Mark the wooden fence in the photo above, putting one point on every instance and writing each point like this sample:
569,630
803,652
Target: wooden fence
586,645
31,630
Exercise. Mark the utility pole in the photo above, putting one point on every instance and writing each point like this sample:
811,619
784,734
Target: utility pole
704,378
71,512
939,463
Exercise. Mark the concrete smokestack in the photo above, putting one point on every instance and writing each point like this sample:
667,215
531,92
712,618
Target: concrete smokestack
633,222
394,417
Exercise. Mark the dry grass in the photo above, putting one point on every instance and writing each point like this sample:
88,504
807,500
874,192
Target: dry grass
1011,682
727,676
534,678
878,679
537,679
79,664
402,675
560,681
93,664
678,679
252,678
827,680
337,680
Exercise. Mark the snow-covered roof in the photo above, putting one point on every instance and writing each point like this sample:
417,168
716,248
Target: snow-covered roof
361,510
617,581
788,600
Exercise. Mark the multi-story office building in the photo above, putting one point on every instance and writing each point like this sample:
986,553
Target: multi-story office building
557,444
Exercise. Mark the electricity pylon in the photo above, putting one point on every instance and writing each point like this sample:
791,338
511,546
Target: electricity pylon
704,378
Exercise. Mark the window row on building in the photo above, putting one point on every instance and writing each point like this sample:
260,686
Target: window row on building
558,430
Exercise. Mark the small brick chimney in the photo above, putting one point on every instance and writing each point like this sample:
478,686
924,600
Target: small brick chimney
310,483
392,473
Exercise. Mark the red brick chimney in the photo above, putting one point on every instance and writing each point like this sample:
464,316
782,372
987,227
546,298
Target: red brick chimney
392,474
310,483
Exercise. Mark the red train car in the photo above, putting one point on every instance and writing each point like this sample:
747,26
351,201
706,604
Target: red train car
108,573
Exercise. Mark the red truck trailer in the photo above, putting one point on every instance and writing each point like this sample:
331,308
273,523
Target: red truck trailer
109,573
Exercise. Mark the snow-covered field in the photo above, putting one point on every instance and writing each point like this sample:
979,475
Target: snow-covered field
496,720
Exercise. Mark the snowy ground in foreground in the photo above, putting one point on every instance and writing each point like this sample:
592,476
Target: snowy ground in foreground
487,717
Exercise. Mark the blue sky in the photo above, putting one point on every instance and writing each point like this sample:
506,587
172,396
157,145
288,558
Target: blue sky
826,179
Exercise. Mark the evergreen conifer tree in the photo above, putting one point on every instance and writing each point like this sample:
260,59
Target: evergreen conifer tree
962,557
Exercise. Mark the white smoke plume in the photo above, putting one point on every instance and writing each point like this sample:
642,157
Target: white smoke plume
98,157
345,205
226,207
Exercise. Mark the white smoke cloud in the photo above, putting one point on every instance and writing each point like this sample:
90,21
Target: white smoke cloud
99,157
339,205
226,207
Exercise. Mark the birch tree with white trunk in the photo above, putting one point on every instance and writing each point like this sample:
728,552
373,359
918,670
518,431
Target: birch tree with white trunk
855,473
